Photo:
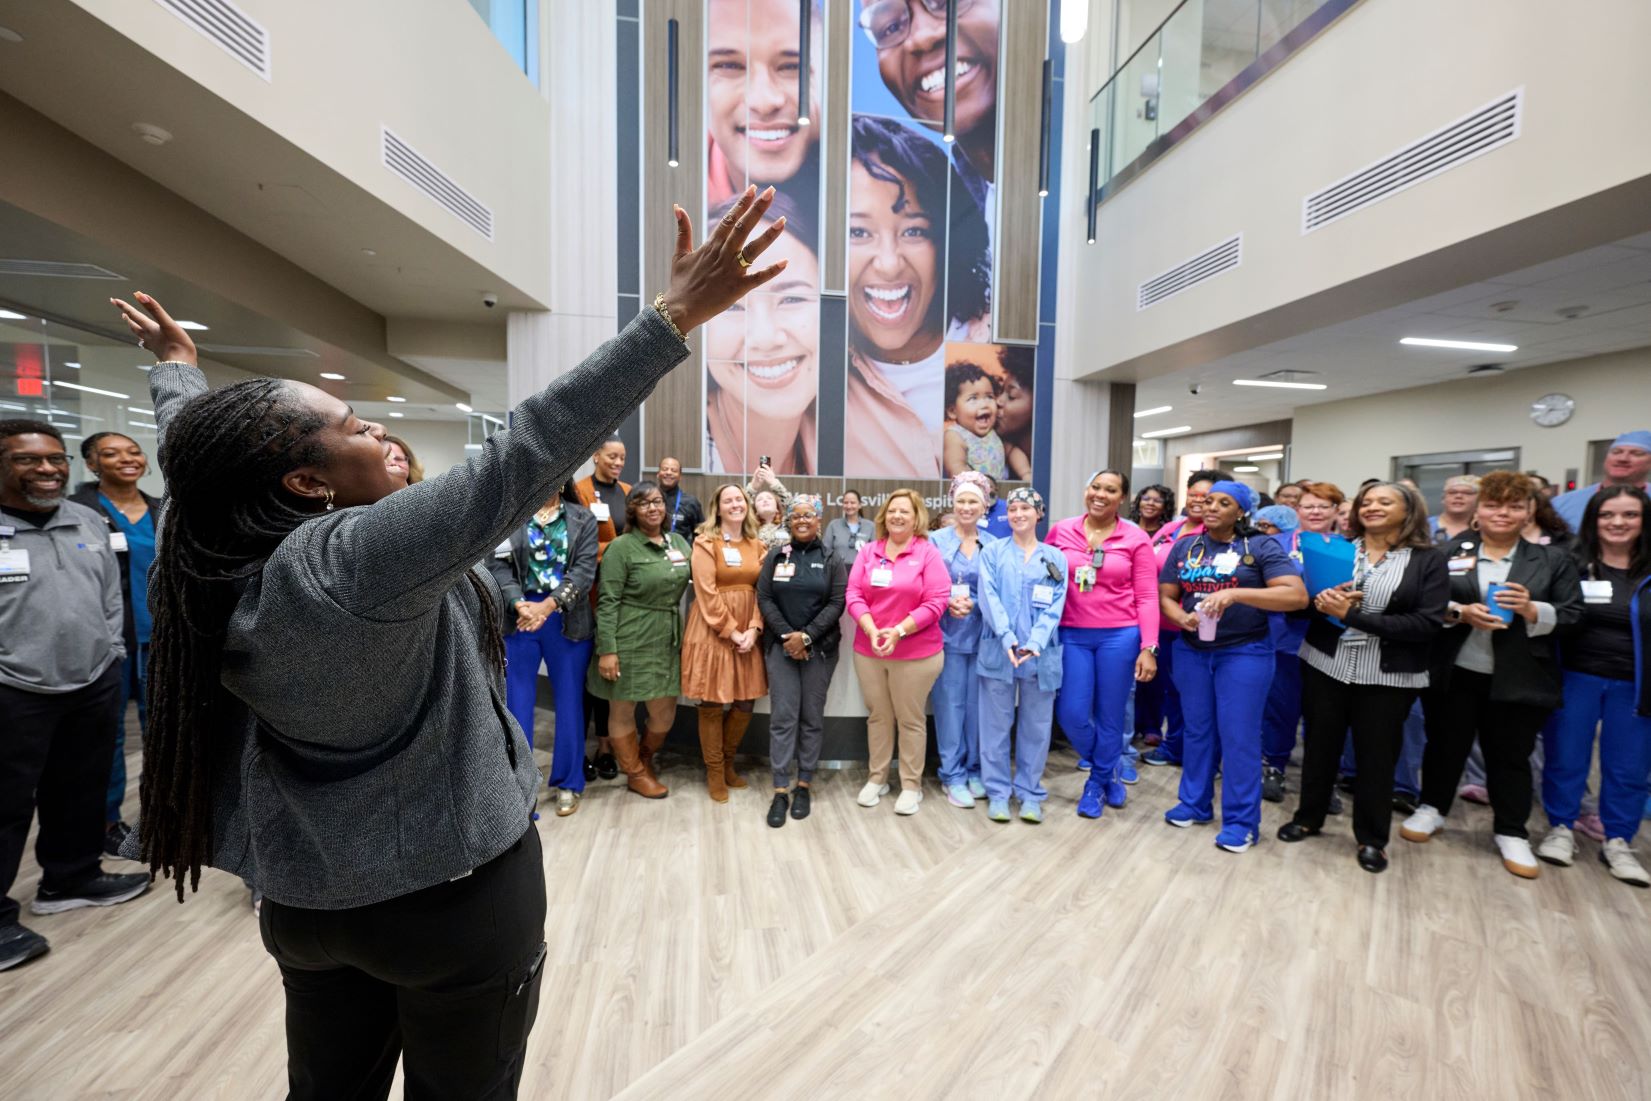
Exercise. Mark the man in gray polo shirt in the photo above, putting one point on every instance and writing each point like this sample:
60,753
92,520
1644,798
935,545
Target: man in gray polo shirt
61,622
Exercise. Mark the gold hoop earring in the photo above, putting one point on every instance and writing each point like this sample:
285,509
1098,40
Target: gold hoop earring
329,499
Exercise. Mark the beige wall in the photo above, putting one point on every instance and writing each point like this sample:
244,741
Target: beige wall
1347,441
429,69
1386,74
439,445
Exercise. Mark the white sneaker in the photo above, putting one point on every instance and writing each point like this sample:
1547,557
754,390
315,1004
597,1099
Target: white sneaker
1422,825
1617,856
1559,847
908,802
1517,856
872,794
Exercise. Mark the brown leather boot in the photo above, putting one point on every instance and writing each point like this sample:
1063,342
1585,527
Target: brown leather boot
710,747
651,741
637,778
732,734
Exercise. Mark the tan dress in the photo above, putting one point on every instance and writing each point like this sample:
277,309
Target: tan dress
725,601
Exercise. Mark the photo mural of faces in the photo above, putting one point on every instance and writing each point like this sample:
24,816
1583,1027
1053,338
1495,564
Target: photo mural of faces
926,393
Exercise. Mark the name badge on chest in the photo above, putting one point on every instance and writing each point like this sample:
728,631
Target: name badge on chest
14,566
675,557
1596,592
882,577
1043,596
731,556
1084,578
785,571
1225,562
600,511
959,591
1461,565
117,542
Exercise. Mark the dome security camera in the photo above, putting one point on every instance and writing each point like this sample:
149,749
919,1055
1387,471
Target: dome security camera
490,300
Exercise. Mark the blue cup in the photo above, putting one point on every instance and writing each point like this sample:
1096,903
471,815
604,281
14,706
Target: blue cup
1504,614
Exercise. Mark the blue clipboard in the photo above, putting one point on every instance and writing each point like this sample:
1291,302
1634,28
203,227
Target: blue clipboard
1325,563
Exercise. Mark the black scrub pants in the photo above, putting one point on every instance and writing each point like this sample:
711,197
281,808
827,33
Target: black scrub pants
446,978
55,753
1376,715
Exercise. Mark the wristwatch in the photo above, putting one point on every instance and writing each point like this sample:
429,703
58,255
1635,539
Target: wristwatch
900,631
1153,650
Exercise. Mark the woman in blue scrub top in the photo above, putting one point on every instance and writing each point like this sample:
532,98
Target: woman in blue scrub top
956,718
1022,595
1235,578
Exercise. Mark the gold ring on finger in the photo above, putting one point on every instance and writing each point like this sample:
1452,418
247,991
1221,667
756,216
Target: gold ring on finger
740,256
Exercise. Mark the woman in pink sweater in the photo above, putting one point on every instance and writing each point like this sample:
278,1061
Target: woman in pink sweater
1109,631
897,592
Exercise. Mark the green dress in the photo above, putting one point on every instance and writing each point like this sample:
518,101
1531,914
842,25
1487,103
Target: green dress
639,617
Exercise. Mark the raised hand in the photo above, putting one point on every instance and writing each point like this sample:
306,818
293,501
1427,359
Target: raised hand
156,330
707,280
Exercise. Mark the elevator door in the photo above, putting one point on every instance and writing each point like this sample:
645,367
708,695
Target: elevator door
1430,472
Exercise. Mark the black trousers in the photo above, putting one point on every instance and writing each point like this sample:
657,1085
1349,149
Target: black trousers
1376,716
55,753
1507,733
447,978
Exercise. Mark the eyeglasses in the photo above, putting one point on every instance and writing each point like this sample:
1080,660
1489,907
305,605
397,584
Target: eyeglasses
26,461
888,22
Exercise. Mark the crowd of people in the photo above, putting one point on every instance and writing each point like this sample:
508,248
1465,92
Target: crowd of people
1403,651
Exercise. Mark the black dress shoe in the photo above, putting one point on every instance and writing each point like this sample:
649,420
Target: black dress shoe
590,770
1295,831
1404,803
1372,859
800,803
776,809
607,766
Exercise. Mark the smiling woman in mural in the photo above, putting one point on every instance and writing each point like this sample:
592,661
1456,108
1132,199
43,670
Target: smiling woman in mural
910,39
763,362
751,107
899,308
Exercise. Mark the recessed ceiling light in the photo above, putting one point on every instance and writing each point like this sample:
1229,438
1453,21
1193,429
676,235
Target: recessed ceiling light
463,408
1280,385
72,363
1154,411
393,397
1176,431
1269,457
89,389
1462,345
333,376
472,447
8,315
141,409
192,326
14,405
1246,470
151,133
395,414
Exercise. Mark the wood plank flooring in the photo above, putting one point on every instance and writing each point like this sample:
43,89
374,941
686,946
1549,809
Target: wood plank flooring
694,952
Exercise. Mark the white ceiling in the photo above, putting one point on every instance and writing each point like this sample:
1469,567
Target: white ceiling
1364,356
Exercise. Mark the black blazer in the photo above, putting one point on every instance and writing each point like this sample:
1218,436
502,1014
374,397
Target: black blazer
509,566
1527,669
90,495
1413,618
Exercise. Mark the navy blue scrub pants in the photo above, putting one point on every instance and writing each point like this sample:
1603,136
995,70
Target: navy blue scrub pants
565,662
1223,691
1097,673
1624,754
131,687
1283,711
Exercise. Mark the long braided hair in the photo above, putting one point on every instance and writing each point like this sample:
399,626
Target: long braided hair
224,456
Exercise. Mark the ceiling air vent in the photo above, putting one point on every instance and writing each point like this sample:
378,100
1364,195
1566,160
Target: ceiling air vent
400,158
1493,125
58,268
1212,262
228,26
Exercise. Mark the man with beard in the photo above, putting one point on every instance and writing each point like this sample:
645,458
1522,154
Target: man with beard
62,617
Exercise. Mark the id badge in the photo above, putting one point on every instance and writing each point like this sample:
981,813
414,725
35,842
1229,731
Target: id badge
1043,596
1084,578
785,571
1226,562
1461,565
858,543
1596,592
14,566
881,577
676,557
959,591
601,512
117,542
731,556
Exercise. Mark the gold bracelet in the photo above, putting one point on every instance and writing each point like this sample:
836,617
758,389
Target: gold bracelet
661,308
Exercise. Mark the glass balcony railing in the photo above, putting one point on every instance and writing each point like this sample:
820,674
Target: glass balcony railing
1202,56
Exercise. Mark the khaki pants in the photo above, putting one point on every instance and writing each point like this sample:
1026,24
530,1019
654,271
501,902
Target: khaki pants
897,693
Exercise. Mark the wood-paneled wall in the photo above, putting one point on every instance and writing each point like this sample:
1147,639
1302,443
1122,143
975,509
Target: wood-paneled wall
673,418
1017,247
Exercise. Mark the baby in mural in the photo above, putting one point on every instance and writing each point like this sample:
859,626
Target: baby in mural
971,441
